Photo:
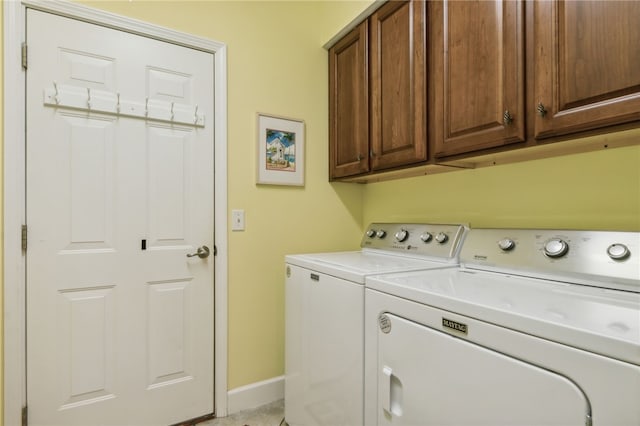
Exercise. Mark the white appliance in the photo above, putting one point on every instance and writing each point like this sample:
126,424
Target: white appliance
324,326
536,327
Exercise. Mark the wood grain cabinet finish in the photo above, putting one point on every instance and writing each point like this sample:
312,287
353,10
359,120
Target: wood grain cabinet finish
377,92
587,65
398,84
486,76
478,74
349,105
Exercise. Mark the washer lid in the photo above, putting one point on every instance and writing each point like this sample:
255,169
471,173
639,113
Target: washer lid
356,265
599,320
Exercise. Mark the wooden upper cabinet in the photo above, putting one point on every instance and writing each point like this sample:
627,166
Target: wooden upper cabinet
478,74
587,58
398,84
349,105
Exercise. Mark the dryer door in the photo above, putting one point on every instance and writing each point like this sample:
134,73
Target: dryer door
427,377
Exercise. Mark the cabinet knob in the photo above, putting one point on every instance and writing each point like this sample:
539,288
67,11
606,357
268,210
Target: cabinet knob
372,154
542,111
359,157
508,118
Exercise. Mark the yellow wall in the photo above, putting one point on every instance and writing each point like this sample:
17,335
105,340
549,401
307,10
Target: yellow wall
1,214
597,190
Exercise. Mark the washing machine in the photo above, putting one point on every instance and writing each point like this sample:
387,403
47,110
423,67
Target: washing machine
324,316
536,327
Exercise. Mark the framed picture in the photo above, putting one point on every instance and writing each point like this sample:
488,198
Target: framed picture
280,151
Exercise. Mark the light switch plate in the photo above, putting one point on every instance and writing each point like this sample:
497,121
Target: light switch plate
237,220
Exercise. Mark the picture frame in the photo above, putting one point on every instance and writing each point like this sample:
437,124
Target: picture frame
280,150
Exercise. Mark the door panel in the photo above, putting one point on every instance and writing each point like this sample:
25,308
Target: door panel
398,85
169,343
478,74
349,104
587,60
119,320
91,162
169,157
87,373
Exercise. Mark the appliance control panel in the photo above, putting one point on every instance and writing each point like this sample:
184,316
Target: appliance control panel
421,239
606,257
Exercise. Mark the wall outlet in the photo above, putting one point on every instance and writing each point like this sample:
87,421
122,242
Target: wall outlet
237,220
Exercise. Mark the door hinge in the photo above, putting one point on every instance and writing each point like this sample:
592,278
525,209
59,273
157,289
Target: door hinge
24,56
25,416
24,237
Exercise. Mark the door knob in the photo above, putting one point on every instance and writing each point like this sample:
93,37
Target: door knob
202,252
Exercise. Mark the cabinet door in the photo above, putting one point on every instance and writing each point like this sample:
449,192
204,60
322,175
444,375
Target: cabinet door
398,84
349,105
587,65
478,75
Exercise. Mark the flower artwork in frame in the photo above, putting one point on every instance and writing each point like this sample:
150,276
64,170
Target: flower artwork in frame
280,151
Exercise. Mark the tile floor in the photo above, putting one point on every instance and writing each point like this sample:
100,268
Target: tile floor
267,415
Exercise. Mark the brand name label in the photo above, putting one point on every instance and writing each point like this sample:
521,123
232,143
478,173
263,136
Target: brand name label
454,325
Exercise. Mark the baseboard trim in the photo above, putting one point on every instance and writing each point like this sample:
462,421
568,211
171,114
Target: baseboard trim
255,394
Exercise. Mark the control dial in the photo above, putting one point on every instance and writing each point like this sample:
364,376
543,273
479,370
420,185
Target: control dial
402,235
506,244
556,247
371,233
442,238
618,251
381,233
426,237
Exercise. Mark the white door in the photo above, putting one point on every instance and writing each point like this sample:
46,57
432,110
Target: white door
119,191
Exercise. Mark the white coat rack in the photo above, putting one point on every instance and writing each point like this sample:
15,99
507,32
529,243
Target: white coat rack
100,101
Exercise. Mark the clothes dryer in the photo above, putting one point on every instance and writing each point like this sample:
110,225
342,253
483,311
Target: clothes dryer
537,327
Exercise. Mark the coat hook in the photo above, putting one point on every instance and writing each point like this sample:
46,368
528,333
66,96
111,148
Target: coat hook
195,115
88,98
118,104
55,97
172,111
146,107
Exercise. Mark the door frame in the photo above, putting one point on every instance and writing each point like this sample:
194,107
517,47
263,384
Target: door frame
14,186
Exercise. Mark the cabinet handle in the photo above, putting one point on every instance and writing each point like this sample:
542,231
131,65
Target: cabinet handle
372,154
359,157
508,118
542,111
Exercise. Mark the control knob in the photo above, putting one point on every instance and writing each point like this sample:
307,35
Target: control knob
555,247
506,244
618,251
426,237
442,238
402,235
371,233
381,233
